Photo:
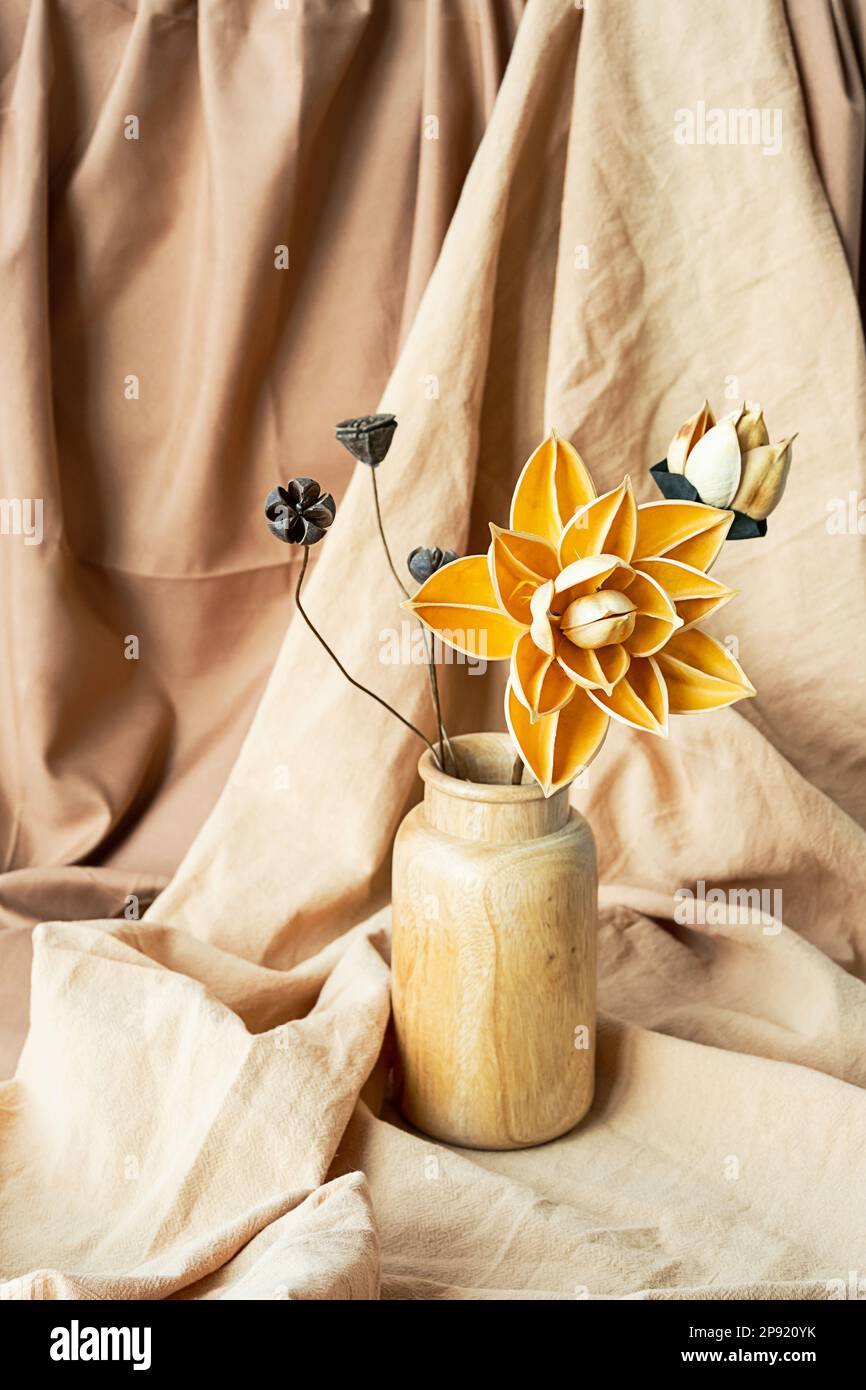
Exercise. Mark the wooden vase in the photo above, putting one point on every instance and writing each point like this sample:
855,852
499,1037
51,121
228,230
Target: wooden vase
493,955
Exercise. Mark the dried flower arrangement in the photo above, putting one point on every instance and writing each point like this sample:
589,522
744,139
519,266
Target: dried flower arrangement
594,600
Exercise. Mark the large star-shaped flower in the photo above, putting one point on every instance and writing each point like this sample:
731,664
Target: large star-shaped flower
594,601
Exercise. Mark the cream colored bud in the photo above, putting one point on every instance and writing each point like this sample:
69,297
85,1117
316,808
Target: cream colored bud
687,437
713,466
765,472
598,619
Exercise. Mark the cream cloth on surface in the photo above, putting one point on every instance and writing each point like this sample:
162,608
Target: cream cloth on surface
224,1043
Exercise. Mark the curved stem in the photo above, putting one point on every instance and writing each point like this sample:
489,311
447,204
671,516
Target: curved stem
444,741
393,567
338,663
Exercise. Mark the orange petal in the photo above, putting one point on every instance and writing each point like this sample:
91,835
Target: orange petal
701,674
615,662
553,484
580,731
656,620
538,680
556,747
640,699
686,531
599,669
518,564
606,526
460,607
533,741
581,665
694,595
528,668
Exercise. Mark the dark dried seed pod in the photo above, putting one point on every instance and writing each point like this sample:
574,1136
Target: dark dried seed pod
299,513
368,437
424,561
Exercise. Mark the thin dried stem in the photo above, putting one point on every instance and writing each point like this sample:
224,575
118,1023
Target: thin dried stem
444,741
351,679
517,771
385,546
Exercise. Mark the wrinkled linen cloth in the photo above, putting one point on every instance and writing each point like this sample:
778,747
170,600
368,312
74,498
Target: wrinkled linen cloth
201,1108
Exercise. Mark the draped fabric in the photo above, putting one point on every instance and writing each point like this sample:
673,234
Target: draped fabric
160,374
223,228
829,42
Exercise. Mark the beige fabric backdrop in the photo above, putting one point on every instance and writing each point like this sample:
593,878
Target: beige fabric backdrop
258,127
214,1077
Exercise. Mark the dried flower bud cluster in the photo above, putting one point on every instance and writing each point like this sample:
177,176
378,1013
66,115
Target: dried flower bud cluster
732,463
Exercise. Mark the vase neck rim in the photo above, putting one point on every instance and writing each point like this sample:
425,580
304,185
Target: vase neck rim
496,810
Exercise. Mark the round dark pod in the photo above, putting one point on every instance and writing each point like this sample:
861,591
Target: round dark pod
424,561
368,438
299,513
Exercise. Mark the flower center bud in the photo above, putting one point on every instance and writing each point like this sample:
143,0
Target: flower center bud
596,620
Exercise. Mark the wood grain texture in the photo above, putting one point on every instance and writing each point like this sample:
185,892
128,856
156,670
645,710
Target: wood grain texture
493,957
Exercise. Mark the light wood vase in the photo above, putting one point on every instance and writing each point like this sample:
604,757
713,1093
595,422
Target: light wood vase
493,956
